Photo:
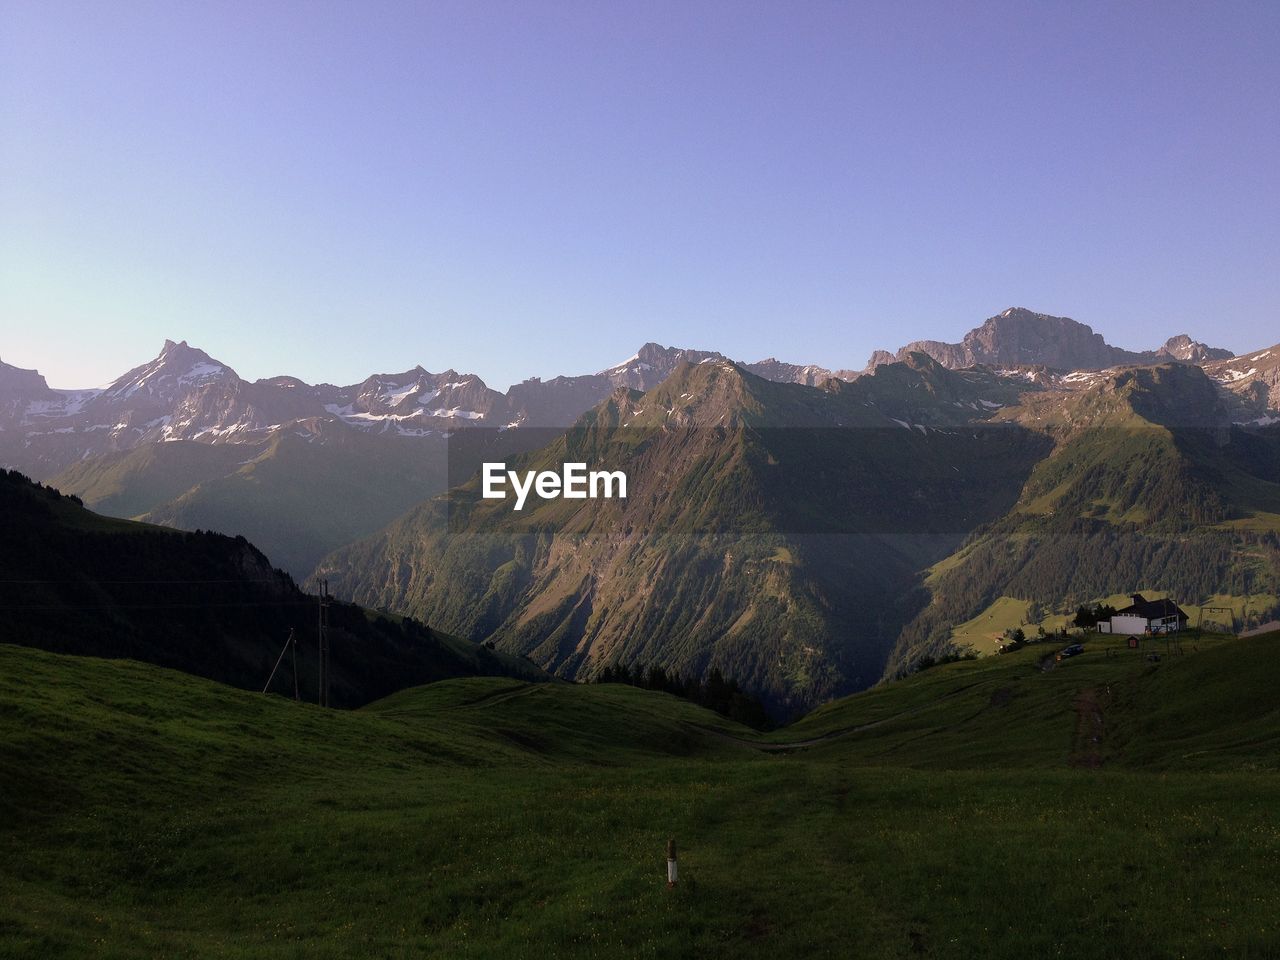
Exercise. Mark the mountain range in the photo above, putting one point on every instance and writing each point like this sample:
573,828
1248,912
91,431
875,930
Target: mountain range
806,540
184,394
805,530
770,529
301,468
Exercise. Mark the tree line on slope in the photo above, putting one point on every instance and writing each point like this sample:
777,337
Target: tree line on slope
714,692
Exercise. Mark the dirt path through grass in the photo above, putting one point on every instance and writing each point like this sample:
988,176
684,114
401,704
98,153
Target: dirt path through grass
1089,705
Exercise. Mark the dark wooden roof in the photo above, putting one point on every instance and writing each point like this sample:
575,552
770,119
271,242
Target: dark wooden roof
1153,609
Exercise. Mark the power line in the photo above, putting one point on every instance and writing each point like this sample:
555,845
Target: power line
150,582
108,605
291,642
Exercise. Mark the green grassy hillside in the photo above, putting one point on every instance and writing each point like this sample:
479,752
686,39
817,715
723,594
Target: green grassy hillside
1109,707
148,813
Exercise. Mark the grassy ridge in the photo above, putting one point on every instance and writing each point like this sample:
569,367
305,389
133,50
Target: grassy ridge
147,813
1109,707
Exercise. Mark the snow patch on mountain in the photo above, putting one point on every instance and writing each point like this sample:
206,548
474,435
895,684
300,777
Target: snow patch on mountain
1230,376
457,413
398,395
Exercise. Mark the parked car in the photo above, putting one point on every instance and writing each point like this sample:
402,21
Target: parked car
1071,651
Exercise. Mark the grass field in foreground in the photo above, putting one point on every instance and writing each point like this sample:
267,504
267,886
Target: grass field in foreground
146,813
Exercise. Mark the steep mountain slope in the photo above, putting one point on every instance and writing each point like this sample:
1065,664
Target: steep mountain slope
128,483
72,581
300,492
301,499
1020,337
84,440
1150,484
1252,382
769,530
303,470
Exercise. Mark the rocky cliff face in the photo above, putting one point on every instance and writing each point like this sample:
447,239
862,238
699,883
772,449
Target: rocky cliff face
1020,337
652,364
19,388
810,374
1253,383
879,358
16,382
1186,350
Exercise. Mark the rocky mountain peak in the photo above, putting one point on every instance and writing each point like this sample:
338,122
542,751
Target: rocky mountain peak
1183,348
1019,337
810,374
879,358
178,368
652,364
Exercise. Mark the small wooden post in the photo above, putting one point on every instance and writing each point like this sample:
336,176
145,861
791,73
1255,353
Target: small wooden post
672,869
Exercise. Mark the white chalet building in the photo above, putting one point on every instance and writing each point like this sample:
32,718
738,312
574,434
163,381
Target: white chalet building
1146,616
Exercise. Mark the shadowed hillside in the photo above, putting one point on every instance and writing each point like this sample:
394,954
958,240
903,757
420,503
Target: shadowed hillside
75,582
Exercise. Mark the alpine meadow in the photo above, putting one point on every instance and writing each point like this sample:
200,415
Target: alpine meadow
382,612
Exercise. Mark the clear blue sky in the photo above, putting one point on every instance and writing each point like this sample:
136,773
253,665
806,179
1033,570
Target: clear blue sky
532,188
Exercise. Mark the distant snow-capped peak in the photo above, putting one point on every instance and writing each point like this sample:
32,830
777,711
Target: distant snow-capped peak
179,367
